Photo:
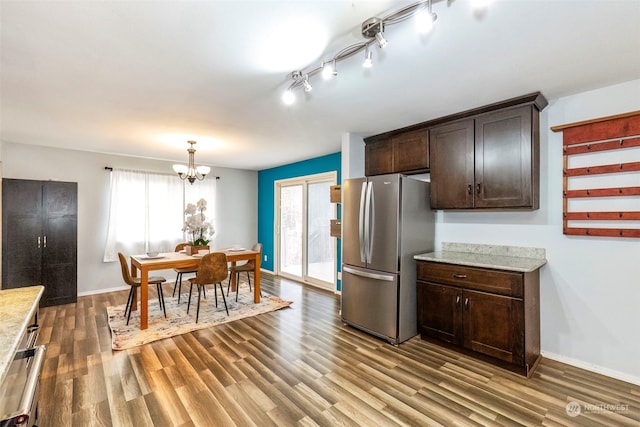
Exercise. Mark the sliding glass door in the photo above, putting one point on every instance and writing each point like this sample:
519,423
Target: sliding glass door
306,251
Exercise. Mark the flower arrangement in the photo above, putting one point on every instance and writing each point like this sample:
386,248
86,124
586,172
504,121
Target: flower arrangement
195,224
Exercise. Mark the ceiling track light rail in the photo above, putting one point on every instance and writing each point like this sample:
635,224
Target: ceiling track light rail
372,30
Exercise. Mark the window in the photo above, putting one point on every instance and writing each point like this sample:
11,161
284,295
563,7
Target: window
147,211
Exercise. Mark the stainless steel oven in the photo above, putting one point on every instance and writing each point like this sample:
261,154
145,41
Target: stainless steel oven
19,391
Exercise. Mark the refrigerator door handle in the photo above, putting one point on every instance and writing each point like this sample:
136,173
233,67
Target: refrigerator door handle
371,221
361,225
368,275
367,222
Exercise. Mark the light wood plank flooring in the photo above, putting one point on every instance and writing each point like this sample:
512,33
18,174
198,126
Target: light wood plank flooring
297,366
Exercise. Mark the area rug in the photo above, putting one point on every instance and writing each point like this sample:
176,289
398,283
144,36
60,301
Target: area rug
178,322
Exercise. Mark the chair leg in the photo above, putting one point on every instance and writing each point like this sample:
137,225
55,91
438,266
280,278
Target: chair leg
179,287
215,294
130,303
237,286
161,299
223,298
189,303
175,285
229,283
198,310
249,280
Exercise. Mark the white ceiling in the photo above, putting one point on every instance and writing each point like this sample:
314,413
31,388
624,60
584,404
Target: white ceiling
140,78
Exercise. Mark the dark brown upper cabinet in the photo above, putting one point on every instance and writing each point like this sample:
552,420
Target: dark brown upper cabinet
403,152
490,160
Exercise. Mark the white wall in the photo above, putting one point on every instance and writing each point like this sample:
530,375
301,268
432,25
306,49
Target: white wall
235,215
590,287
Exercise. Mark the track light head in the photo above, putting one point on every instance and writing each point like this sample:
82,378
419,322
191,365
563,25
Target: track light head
368,62
382,42
288,97
305,83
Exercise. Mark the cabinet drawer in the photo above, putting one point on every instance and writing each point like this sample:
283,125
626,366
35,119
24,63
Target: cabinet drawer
480,279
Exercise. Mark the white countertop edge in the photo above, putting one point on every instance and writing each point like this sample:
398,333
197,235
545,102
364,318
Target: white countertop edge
499,262
9,346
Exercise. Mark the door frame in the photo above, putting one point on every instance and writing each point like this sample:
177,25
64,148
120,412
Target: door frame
304,180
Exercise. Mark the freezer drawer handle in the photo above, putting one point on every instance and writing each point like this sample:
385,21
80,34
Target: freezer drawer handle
377,276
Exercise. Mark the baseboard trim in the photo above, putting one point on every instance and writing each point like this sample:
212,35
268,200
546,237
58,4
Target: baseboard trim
103,291
592,367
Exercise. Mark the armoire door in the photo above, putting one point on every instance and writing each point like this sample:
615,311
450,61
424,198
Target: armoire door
39,240
59,246
21,229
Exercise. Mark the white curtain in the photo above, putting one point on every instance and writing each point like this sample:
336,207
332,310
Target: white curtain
146,213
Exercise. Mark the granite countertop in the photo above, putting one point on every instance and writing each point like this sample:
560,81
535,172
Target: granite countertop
511,258
17,307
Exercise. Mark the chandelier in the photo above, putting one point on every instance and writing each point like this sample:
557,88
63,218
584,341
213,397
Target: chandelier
191,172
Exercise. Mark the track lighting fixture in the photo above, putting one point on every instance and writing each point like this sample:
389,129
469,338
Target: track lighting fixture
372,31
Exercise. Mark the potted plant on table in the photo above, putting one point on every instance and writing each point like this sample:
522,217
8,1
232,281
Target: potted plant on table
196,227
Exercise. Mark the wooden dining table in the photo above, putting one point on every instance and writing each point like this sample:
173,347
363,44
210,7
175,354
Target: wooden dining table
143,264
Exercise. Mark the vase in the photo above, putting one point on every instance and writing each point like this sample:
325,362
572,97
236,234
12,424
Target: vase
192,250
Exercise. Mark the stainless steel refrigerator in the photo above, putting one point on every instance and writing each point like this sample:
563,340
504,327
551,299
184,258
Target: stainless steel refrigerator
386,220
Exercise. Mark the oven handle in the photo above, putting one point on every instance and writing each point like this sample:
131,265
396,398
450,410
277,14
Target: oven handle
26,401
33,331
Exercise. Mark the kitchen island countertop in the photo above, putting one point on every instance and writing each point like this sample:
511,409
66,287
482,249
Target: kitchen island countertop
511,258
17,307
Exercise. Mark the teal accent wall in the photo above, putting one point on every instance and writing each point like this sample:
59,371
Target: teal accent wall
266,209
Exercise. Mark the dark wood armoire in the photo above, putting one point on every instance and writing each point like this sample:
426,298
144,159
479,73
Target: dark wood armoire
39,238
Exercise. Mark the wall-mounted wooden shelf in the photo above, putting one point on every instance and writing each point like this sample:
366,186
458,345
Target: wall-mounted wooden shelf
336,194
336,228
601,138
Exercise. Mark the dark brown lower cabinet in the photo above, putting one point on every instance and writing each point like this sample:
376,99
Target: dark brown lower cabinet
39,238
457,308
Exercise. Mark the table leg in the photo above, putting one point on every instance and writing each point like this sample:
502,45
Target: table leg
256,280
234,279
144,298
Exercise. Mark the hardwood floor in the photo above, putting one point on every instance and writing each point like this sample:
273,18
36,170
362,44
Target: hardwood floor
298,366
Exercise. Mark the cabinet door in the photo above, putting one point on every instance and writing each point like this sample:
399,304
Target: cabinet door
451,152
21,233
59,252
411,151
504,151
439,312
493,325
378,157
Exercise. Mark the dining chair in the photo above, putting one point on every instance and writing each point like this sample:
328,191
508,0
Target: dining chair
180,272
134,283
212,271
247,267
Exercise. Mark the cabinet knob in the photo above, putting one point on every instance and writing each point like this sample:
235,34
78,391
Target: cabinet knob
466,302
478,188
458,300
38,242
469,189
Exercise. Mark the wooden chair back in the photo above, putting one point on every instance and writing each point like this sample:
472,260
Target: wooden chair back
257,247
180,246
212,269
126,274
